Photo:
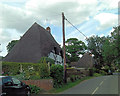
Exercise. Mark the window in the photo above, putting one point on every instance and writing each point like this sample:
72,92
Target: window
61,53
16,82
55,48
7,81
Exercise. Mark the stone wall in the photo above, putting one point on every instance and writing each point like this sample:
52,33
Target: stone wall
77,71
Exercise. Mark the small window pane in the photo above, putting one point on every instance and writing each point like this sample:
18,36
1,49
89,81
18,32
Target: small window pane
16,82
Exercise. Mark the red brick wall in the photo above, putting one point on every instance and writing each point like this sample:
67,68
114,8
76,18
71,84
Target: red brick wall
45,84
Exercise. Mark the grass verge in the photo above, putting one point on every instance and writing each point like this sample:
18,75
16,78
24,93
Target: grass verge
69,85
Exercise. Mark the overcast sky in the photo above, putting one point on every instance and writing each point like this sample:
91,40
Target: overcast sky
92,17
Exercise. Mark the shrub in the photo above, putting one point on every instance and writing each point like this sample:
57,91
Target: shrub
32,75
57,75
45,72
103,72
97,74
34,89
73,78
95,70
48,60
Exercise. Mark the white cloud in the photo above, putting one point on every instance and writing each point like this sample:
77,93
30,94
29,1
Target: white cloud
5,37
91,35
76,34
16,20
108,4
76,10
106,20
9,1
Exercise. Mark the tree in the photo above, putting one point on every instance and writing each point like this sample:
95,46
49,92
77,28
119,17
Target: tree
95,45
11,45
106,50
115,38
74,48
108,53
111,49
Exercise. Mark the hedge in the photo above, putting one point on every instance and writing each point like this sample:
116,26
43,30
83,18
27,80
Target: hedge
28,69
34,71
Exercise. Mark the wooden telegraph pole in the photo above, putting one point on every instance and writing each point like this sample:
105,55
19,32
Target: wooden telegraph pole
63,29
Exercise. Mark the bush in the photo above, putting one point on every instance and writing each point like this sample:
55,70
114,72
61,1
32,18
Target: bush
57,75
97,74
45,70
103,72
32,75
34,89
73,78
48,60
95,70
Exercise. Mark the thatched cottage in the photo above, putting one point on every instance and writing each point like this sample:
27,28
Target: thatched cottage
86,61
37,42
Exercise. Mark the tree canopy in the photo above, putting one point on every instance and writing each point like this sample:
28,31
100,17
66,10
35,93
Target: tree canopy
74,48
95,44
106,49
11,45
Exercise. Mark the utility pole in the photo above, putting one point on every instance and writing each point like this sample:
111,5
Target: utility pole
63,29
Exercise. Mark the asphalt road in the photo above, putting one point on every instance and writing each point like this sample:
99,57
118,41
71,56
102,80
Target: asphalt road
98,85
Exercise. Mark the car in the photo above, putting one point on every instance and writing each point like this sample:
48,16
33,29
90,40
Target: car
10,86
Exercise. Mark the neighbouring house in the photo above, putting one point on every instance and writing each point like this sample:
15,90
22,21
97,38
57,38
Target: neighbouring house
37,42
86,61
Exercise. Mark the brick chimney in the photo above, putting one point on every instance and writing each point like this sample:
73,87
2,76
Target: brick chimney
48,29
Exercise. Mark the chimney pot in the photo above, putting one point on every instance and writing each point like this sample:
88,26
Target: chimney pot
48,29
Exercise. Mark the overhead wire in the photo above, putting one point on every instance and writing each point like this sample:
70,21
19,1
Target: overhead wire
75,27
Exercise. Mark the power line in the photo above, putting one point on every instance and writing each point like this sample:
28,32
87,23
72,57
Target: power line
75,27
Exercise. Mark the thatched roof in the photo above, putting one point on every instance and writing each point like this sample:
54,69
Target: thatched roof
34,44
86,61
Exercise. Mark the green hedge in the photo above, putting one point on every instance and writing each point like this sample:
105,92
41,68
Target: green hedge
57,75
34,71
29,70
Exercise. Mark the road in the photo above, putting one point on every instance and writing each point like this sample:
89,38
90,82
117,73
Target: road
98,85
